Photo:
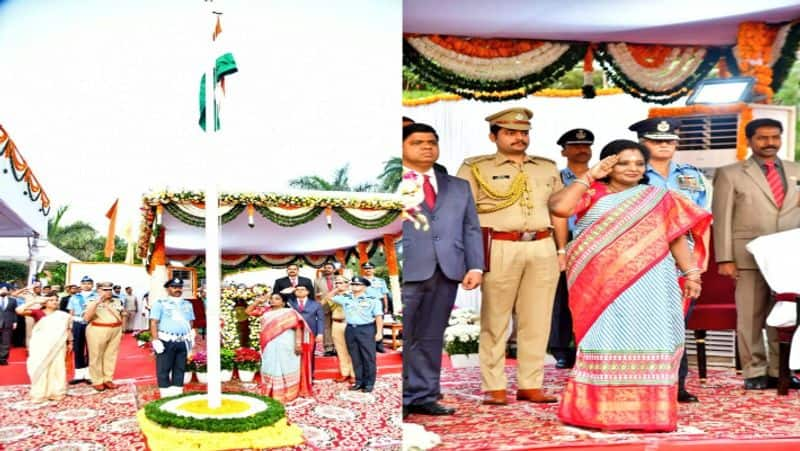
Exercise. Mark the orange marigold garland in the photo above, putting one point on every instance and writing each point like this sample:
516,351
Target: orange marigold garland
745,116
649,56
486,48
754,48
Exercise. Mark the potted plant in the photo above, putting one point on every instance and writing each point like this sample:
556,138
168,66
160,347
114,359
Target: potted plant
142,337
226,364
190,369
200,366
461,338
248,361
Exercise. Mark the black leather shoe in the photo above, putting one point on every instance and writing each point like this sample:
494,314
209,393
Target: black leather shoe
356,387
379,347
564,363
756,383
431,408
794,382
76,381
406,413
3,362
685,397
367,389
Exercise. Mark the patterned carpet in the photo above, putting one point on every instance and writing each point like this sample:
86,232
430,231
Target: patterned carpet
335,419
726,411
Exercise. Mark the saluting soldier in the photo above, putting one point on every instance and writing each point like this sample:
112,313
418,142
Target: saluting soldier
660,136
511,190
172,337
105,316
364,316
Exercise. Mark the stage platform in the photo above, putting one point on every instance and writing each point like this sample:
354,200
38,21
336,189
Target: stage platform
727,418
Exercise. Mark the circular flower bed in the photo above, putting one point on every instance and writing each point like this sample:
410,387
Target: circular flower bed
243,420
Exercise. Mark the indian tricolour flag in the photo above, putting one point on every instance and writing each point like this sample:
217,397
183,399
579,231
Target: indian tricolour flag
225,65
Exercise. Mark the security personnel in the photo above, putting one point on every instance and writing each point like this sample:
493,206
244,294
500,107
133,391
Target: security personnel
172,337
660,136
364,316
105,315
511,190
377,288
76,306
576,147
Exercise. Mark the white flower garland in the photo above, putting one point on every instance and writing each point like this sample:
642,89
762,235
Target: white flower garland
464,325
677,67
494,69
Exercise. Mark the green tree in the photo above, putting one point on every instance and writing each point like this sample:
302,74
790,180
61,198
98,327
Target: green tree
81,240
339,182
789,94
392,174
13,271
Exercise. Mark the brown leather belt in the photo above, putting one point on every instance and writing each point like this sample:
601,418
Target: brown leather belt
105,324
522,236
338,320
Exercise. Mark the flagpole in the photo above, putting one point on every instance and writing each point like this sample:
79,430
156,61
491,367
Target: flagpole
213,272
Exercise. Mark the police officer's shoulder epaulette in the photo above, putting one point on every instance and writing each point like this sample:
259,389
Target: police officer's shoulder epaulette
543,159
477,159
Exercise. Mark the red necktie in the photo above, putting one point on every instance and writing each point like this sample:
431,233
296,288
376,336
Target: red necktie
775,183
430,194
302,305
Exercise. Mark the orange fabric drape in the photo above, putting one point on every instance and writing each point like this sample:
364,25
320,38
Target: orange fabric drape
391,254
362,256
112,224
159,257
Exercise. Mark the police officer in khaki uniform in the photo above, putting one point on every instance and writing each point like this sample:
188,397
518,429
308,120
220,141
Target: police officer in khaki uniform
105,317
521,239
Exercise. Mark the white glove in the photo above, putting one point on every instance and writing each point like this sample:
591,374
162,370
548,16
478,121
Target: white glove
158,346
192,338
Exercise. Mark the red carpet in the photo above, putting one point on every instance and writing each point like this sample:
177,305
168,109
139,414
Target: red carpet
727,418
334,419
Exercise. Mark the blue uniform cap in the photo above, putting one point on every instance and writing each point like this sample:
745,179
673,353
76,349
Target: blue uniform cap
361,280
174,282
85,279
657,128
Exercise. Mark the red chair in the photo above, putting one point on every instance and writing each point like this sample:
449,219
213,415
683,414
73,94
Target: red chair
715,309
784,344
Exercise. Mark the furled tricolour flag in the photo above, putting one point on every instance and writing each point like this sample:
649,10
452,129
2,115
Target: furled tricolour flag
225,65
112,216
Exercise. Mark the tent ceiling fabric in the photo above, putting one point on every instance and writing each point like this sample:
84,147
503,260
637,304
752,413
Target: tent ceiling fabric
679,22
16,250
313,237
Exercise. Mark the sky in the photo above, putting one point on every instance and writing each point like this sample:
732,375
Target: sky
101,97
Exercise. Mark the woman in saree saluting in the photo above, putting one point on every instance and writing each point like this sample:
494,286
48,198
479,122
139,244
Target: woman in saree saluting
286,349
50,339
626,302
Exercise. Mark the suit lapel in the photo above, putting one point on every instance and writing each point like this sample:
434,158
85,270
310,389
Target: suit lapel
790,199
442,183
753,170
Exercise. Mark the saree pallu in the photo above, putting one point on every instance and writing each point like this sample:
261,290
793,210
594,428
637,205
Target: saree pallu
627,310
47,356
284,374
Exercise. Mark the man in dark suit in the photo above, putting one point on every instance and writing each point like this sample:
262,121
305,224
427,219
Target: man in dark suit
434,263
293,280
8,322
311,311
758,196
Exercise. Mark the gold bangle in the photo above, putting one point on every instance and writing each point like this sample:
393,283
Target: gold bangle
582,182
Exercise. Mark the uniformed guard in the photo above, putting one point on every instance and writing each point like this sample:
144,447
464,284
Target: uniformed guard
76,306
105,316
576,147
171,322
364,316
511,190
660,136
377,288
